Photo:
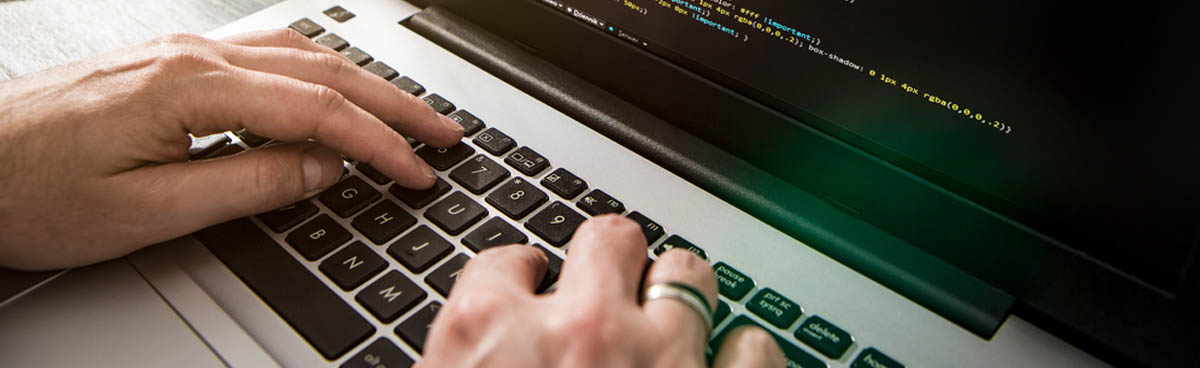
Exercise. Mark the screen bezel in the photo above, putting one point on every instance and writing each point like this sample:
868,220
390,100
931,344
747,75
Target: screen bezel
1095,298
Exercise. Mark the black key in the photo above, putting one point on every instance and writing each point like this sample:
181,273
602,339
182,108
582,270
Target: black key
479,174
493,233
420,198
527,161
357,56
414,329
722,313
872,358
382,70
774,307
341,15
307,27
597,202
381,353
317,237
676,241
373,174
352,265
796,357
439,104
445,158
442,279
469,122
556,223
553,268
408,85
310,307
333,41
284,218
203,146
455,213
226,150
824,337
383,222
495,141
390,296
564,183
349,196
517,198
732,283
652,230
251,139
420,249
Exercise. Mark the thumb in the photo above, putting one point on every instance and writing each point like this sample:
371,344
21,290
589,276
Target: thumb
201,193
749,347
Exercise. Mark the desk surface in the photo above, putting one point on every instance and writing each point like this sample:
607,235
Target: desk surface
38,34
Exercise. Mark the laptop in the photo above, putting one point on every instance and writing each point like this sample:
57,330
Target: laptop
941,184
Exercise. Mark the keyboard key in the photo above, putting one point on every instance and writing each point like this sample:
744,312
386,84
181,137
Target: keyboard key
382,70
439,104
455,213
469,122
251,139
479,174
553,269
493,233
420,198
341,15
203,146
824,337
445,158
420,249
406,84
357,56
527,161
383,222
494,141
307,27
332,41
722,313
564,183
353,265
773,307
284,218
296,295
226,150
318,237
796,357
414,329
349,196
556,224
872,358
442,279
390,296
732,283
381,353
517,198
652,230
598,203
372,173
676,241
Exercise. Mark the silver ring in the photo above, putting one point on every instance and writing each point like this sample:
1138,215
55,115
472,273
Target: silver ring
686,294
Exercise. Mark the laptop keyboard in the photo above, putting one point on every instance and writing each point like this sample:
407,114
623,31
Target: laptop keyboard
370,248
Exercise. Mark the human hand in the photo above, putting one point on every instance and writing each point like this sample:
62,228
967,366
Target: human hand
593,319
93,155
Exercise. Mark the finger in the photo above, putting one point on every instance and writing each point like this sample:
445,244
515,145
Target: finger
674,317
749,347
607,256
290,110
514,268
279,37
401,110
200,193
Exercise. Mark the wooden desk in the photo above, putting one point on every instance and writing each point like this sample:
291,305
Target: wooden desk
38,34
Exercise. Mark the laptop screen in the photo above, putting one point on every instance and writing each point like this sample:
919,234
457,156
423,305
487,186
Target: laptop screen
1072,119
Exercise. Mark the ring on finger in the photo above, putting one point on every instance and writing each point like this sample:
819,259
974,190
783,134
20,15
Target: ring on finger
683,293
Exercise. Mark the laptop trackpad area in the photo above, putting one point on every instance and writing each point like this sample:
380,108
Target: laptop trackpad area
103,315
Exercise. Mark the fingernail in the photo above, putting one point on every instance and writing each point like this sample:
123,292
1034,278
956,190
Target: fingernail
313,172
426,169
450,123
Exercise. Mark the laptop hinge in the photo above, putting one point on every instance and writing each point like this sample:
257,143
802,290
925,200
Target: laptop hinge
924,279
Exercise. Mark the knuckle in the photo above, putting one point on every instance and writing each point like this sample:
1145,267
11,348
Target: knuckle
334,65
471,310
274,181
589,325
180,39
288,36
327,99
179,58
